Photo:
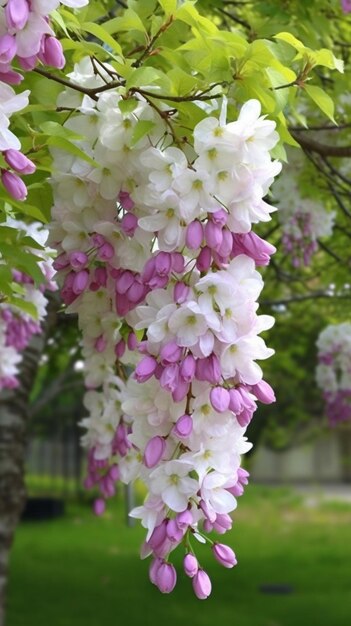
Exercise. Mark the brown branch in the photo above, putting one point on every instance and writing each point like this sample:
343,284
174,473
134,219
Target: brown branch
323,149
298,129
309,296
150,45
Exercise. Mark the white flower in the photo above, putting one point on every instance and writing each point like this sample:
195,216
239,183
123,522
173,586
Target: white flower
171,481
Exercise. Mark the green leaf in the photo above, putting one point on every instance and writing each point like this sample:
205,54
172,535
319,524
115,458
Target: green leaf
54,129
67,146
327,59
322,100
145,76
169,6
142,128
100,33
130,20
290,39
127,106
24,305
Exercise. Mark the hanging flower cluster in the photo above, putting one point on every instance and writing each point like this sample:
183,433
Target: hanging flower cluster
25,33
334,371
303,221
16,326
157,258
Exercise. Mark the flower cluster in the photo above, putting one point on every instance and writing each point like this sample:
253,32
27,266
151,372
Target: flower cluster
25,33
334,371
157,258
303,221
16,326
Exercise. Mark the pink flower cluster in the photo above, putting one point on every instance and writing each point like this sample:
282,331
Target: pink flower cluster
16,326
158,259
333,372
25,34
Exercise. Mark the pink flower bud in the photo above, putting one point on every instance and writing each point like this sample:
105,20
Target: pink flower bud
202,585
120,348
263,392
136,292
174,533
99,506
145,368
181,391
51,52
184,519
219,217
16,14
8,48
159,534
129,224
187,368
253,246
213,235
14,185
178,263
153,569
227,243
132,341
125,281
183,427
11,77
209,369
28,63
346,6
80,282
222,523
170,377
194,235
235,402
163,263
170,353
166,578
224,555
154,450
100,276
220,398
61,262
244,418
114,472
180,292
78,260
125,200
203,261
105,252
190,565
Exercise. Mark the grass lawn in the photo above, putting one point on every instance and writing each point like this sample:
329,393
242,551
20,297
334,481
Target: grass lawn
84,571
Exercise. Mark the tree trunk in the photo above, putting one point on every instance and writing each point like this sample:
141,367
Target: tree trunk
13,435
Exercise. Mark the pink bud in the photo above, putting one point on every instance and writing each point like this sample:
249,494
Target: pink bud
166,578
78,259
8,48
209,369
145,368
220,398
153,569
120,348
136,292
235,402
99,506
163,263
100,276
174,533
224,555
170,377
213,235
114,472
183,427
125,200
105,252
194,235
222,523
180,292
154,450
14,185
244,418
253,246
159,534
129,224
132,341
28,63
219,217
227,243
184,519
202,585
346,6
16,14
125,281
187,368
51,52
80,282
170,353
61,262
177,262
11,77
190,565
181,391
203,261
263,392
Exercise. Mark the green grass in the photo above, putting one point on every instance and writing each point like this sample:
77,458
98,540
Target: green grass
83,571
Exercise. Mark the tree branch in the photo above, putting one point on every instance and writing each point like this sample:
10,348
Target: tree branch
321,148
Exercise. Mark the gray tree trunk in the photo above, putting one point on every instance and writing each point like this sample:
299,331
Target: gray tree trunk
13,435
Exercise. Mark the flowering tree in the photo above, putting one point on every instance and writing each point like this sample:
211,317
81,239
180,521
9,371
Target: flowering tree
151,148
